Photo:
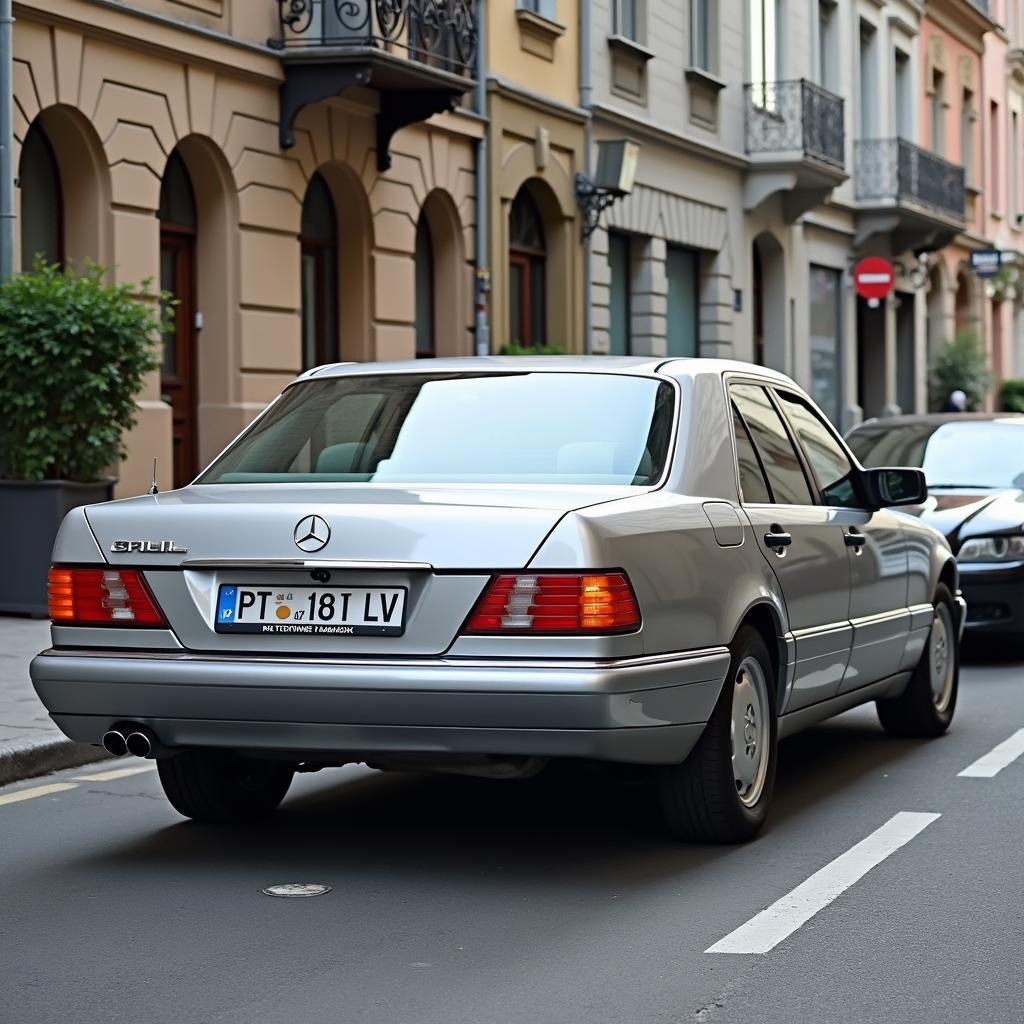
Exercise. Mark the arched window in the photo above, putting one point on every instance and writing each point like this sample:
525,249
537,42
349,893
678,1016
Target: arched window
42,203
178,379
426,340
319,275
527,272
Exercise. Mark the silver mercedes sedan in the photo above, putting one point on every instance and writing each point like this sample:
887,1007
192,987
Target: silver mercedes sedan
480,565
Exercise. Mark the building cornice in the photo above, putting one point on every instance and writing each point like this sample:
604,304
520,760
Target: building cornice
962,20
644,128
116,22
508,89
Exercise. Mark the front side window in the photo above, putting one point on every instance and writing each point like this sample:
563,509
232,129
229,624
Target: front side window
778,456
494,428
830,463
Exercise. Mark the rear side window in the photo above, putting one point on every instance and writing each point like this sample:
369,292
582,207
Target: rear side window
753,485
778,456
831,465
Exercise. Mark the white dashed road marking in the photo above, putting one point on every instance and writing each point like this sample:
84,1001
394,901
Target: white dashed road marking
31,794
782,918
996,759
116,773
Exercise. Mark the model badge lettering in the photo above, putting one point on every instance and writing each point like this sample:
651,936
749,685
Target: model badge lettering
147,547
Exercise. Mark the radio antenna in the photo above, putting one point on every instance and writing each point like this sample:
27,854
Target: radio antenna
153,488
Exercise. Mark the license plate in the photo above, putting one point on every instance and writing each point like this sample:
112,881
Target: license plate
321,611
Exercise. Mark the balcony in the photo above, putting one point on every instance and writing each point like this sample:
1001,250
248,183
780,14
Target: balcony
796,142
416,54
909,193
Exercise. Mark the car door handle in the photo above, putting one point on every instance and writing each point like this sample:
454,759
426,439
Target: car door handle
776,537
855,539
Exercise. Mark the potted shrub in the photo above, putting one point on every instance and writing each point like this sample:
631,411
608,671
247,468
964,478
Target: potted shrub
1013,395
74,352
961,365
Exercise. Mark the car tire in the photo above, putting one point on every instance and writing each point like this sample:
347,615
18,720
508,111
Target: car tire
926,706
219,786
718,794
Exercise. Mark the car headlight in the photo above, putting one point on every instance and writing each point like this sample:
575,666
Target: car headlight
992,549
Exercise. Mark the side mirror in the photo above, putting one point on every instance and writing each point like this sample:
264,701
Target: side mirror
889,487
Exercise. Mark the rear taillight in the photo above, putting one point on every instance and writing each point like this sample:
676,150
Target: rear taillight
101,597
556,603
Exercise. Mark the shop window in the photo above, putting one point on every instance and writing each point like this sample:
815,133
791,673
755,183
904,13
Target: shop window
319,240
825,347
620,312
42,206
682,269
527,272
426,339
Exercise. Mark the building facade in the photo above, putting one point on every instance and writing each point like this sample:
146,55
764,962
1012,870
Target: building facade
303,184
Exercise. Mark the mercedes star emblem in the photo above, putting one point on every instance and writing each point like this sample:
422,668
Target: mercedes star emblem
312,534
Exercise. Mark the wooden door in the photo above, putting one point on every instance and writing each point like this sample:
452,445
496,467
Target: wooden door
178,377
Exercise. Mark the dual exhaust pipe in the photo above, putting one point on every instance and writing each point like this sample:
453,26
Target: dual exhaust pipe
129,739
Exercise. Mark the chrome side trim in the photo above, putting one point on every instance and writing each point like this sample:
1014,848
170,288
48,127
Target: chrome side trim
825,630
303,563
648,660
880,617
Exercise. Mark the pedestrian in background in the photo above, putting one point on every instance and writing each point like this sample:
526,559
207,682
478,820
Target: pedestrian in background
957,402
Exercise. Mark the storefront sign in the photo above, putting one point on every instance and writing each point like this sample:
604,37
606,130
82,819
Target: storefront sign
986,262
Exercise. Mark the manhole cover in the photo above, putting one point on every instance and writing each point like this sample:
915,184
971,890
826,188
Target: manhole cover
297,889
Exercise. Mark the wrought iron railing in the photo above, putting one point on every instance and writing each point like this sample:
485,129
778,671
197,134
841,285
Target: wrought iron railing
897,170
441,33
797,116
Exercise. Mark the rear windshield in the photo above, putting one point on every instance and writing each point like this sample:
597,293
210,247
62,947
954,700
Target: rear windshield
965,453
515,428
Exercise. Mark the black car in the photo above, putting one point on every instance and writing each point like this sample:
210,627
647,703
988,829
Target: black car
974,463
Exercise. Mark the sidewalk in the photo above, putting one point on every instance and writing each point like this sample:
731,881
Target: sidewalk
30,744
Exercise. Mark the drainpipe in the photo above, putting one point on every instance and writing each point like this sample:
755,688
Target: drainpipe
6,141
482,288
586,102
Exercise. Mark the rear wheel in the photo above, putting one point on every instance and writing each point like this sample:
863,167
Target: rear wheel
926,706
721,792
219,786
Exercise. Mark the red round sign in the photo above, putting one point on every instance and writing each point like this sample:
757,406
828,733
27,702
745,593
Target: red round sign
873,278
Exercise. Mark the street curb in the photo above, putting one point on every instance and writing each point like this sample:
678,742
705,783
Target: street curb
27,759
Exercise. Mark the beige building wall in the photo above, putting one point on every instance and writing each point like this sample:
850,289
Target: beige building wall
117,93
536,142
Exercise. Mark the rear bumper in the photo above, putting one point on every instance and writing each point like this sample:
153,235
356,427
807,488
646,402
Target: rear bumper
995,600
640,710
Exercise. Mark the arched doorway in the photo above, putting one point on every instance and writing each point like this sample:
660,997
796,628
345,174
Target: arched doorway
178,377
527,286
42,200
320,275
769,309
426,321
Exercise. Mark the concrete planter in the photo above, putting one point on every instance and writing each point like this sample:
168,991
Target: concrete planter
30,515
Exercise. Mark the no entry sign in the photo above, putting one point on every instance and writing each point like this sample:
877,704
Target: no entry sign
873,278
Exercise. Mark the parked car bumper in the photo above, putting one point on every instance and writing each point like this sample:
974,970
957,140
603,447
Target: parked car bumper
995,599
640,710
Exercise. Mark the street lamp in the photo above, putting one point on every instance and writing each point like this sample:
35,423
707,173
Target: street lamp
616,175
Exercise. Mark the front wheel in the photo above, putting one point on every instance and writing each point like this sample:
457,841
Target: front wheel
721,792
926,706
219,786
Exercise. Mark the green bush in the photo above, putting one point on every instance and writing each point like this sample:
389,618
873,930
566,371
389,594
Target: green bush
963,365
515,349
1013,395
73,356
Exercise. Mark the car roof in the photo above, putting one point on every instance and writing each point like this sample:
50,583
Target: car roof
937,418
632,365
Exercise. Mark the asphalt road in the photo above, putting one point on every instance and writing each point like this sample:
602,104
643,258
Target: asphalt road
553,901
